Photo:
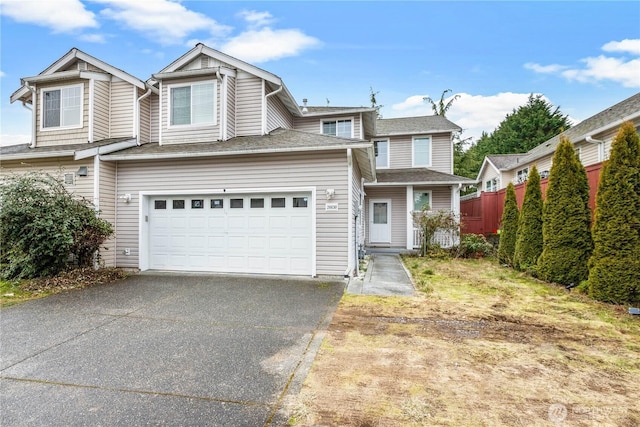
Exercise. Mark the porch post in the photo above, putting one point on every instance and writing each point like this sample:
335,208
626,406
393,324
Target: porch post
409,217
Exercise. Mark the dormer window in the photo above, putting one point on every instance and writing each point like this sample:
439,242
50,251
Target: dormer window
341,128
62,107
192,104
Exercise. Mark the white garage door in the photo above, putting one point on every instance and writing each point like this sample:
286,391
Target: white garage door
243,233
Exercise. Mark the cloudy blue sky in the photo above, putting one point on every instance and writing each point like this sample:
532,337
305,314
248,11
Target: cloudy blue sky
582,56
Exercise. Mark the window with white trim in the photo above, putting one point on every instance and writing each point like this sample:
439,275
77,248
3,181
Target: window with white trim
522,175
382,153
192,104
62,107
342,128
422,151
491,185
421,199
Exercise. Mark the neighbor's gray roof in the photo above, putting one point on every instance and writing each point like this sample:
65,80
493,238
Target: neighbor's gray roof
22,151
610,116
418,176
502,161
414,125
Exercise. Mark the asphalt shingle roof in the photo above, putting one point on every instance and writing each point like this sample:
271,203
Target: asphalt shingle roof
502,161
419,175
414,125
55,150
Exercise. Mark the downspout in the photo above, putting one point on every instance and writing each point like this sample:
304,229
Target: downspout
34,104
222,105
138,115
600,145
266,107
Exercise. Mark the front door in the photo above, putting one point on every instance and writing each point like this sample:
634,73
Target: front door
380,221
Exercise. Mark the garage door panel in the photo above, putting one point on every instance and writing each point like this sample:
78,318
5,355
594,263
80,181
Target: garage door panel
260,234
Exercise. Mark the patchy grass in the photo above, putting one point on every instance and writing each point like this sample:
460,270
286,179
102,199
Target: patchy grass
484,346
13,292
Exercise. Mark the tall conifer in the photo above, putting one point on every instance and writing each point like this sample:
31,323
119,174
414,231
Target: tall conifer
614,274
507,245
529,238
566,220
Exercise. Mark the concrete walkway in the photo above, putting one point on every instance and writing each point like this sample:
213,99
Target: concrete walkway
385,276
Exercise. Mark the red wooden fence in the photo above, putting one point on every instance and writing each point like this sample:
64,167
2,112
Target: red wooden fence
482,215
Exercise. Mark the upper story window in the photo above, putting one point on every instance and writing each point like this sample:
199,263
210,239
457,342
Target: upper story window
491,185
522,175
62,107
341,128
192,104
422,151
382,153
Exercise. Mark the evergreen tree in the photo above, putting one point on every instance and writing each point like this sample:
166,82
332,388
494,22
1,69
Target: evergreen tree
507,245
614,274
529,239
566,220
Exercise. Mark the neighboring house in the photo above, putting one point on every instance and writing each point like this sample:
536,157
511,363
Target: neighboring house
592,140
211,165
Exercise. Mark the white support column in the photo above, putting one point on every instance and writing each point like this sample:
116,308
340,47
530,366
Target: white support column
409,217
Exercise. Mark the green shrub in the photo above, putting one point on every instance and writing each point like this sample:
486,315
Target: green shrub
614,274
566,220
529,237
429,222
43,229
474,246
507,246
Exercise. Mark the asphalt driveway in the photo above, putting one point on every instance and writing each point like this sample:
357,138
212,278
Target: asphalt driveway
162,349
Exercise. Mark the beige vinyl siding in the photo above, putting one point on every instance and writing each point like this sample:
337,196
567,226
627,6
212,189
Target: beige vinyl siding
188,134
323,170
145,117
398,196
440,197
314,124
83,186
401,152
588,153
107,205
356,201
277,115
122,109
248,105
231,107
101,102
65,136
543,164
488,174
154,118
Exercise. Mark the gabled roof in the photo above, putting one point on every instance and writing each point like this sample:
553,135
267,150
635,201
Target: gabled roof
417,176
67,59
605,120
415,126
277,141
502,161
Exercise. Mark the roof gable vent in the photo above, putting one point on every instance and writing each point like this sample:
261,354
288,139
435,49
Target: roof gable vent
204,62
82,66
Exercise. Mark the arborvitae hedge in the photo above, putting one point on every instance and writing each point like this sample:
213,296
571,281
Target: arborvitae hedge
566,220
614,274
509,230
529,238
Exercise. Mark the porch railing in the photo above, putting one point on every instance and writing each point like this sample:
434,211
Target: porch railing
444,239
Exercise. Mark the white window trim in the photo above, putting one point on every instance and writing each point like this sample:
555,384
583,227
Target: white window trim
199,125
388,165
522,175
49,89
413,200
413,151
494,187
336,119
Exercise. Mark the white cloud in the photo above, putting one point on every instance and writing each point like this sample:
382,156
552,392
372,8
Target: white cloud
268,44
627,45
7,139
61,16
620,69
93,38
2,74
473,113
256,19
165,21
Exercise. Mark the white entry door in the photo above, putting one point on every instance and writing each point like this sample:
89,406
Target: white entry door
380,221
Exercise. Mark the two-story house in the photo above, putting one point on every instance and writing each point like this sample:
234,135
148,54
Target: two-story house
591,138
211,165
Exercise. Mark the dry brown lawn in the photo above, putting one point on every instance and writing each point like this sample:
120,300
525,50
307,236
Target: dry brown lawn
480,345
